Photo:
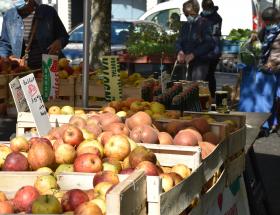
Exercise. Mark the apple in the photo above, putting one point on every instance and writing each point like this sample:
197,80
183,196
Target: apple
167,181
4,151
87,135
15,161
103,176
3,197
73,135
45,183
149,168
54,110
165,138
87,163
118,147
185,138
92,143
108,118
140,154
108,109
63,63
24,198
58,194
65,153
115,104
121,114
103,188
88,149
125,164
64,168
78,121
94,119
117,128
19,144
72,199
91,194
139,118
100,203
79,112
144,134
6,207
181,170
127,171
137,106
112,164
201,124
157,107
41,155
57,143
176,178
36,140
88,208
46,204
94,129
166,169
45,169
67,110
104,137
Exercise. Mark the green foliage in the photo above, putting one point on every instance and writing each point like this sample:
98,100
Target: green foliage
148,40
239,34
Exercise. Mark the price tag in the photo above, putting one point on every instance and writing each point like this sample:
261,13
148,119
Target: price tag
35,103
17,93
111,78
50,77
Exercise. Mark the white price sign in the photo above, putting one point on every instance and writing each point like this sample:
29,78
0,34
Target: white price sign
17,93
35,103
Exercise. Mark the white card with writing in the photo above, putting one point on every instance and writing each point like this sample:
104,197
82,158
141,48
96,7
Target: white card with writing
17,93
35,103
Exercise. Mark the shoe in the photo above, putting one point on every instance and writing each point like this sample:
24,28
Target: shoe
264,132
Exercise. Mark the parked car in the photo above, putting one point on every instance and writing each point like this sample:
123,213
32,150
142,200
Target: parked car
236,14
119,35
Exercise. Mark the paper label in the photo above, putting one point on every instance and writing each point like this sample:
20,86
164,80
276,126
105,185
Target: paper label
111,78
35,103
50,77
18,96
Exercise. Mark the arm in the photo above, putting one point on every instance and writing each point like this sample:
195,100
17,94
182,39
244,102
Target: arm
60,31
179,46
5,46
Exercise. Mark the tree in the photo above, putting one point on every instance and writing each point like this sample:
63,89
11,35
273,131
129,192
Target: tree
100,42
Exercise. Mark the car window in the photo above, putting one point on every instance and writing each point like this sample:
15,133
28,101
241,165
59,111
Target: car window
77,35
164,17
119,32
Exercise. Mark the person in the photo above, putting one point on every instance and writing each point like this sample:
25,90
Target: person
210,13
270,66
174,23
30,30
194,42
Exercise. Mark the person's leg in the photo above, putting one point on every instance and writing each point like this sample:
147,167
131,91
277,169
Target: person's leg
200,71
211,76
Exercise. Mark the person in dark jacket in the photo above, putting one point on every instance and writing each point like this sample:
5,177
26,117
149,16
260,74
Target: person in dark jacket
210,13
30,30
194,42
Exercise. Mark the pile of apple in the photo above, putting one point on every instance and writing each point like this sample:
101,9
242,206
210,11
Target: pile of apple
65,70
8,66
44,197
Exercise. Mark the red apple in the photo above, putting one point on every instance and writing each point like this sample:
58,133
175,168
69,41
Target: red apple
41,155
94,129
117,128
108,118
15,161
139,118
108,176
87,163
88,208
94,119
185,138
118,147
6,207
144,134
109,109
77,121
72,199
24,198
36,140
127,171
104,137
19,144
73,135
149,168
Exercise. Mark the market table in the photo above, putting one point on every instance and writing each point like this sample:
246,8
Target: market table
256,194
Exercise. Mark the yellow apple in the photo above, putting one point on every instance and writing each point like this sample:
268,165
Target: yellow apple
102,188
87,134
100,203
4,151
54,110
94,143
45,183
181,170
67,110
45,169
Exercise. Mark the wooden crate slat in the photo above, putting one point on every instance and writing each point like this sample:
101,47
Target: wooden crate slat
177,199
128,197
235,168
237,141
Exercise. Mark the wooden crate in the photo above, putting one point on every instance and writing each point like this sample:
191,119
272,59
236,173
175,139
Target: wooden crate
236,140
235,167
124,198
66,94
25,121
4,93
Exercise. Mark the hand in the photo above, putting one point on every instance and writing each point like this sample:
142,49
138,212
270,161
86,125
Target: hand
55,47
181,57
20,61
189,57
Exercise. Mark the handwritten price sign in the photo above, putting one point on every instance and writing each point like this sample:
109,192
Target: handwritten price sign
35,103
17,93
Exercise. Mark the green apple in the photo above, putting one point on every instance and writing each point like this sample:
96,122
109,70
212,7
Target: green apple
67,110
157,107
45,169
46,204
45,183
64,168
